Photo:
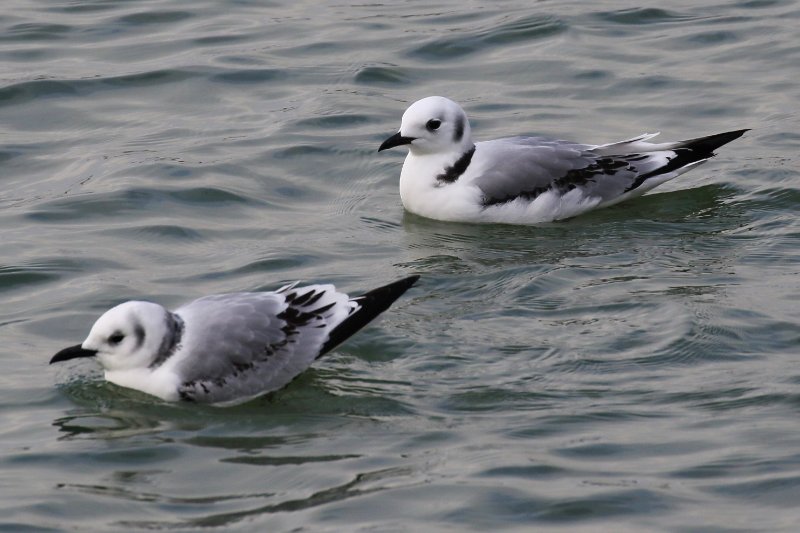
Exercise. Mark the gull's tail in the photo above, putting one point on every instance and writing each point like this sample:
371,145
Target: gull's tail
367,307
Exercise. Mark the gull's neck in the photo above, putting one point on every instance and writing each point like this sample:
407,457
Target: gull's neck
172,339
453,172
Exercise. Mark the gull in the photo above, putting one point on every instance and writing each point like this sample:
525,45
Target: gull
527,180
226,349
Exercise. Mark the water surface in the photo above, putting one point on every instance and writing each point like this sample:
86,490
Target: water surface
633,369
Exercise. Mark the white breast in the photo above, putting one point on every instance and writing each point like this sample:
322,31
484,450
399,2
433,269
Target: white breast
424,195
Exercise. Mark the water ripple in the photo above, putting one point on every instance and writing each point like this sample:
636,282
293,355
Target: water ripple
479,40
642,15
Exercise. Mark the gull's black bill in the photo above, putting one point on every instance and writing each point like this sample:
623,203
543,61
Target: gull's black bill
71,353
395,140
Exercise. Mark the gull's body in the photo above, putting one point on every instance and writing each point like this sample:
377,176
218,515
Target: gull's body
527,180
227,348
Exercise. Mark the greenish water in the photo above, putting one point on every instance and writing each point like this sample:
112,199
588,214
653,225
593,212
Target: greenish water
634,369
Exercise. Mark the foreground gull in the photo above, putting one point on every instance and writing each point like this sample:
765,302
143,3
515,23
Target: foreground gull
527,180
227,348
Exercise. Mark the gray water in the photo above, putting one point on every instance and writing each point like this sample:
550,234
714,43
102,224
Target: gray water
633,369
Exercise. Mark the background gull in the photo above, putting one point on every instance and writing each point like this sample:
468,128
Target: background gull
527,180
227,348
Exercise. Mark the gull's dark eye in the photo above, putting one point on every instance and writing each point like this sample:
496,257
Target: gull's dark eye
116,338
433,124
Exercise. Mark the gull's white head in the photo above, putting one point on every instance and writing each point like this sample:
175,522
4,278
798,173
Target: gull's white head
433,125
131,335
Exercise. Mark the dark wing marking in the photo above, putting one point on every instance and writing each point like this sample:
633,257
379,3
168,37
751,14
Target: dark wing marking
252,343
526,167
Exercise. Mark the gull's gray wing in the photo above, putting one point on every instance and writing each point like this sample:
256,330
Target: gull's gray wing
243,344
525,167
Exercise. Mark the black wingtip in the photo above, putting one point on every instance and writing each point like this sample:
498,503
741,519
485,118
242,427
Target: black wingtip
372,304
690,151
707,145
